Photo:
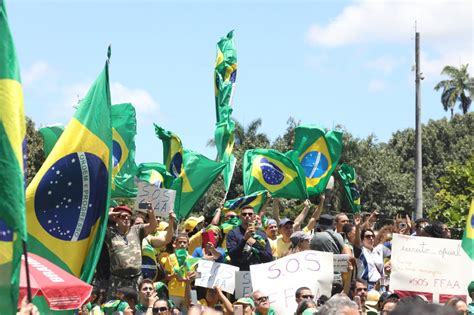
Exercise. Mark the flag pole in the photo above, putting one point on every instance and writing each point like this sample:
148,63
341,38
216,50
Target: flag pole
27,269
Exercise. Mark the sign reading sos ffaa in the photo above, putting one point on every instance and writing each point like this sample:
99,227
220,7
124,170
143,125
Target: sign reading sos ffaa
280,278
436,268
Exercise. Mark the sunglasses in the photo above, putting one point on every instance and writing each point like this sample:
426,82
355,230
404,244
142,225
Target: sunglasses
308,297
370,236
230,216
247,214
158,310
124,217
262,299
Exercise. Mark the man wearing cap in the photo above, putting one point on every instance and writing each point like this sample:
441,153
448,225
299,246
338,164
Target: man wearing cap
283,241
247,245
247,305
299,242
193,227
271,230
124,246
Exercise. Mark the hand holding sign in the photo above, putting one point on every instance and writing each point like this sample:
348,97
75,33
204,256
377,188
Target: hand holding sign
161,199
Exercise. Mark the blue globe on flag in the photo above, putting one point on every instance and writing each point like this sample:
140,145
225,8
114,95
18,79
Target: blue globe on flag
314,164
242,202
176,164
116,153
71,196
271,173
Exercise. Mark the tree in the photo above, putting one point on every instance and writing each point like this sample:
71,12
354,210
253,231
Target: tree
34,150
460,87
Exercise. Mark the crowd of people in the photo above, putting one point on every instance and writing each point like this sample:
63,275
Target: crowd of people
148,265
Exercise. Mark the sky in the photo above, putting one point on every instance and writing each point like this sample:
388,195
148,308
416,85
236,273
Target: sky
324,62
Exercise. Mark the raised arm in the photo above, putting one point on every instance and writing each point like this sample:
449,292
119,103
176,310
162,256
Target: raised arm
150,227
160,241
316,214
276,210
263,209
300,218
217,216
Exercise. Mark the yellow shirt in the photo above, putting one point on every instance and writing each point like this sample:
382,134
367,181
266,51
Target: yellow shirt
195,241
282,248
175,287
273,246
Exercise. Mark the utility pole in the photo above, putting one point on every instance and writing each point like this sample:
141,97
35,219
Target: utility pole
418,161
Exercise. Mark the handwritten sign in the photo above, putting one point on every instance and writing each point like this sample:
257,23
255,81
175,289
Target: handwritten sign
437,267
162,200
280,278
211,274
243,284
341,262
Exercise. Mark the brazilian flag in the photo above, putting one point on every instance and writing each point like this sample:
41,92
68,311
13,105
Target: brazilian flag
225,73
155,174
12,151
172,151
255,200
67,201
124,130
268,169
197,175
318,152
348,176
468,237
224,137
50,135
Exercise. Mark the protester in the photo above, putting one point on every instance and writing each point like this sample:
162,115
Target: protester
340,219
457,304
470,291
306,305
246,244
303,293
262,304
299,242
247,306
358,292
210,250
146,296
283,242
339,304
124,246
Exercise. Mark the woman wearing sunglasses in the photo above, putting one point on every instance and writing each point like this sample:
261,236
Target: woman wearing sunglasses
370,265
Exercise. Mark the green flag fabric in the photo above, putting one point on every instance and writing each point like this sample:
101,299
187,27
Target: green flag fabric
50,135
197,175
67,201
468,237
255,200
225,73
124,130
318,152
12,150
268,169
224,137
172,151
155,174
348,176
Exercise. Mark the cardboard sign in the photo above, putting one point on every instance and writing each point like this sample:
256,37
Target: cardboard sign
162,200
437,267
211,274
281,278
341,262
243,284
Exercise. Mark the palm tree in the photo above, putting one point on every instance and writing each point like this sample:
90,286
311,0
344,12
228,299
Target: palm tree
459,88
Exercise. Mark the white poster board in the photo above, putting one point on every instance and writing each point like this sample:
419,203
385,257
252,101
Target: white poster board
162,200
243,284
211,274
280,278
430,265
341,262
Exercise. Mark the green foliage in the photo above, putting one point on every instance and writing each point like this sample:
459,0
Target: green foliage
34,150
455,192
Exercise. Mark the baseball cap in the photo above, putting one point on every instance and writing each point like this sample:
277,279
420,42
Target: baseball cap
270,222
373,297
285,221
299,236
326,221
123,208
192,222
245,301
386,295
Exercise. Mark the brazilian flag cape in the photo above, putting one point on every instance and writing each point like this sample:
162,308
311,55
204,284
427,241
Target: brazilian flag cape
12,150
124,130
50,135
67,201
318,152
468,237
271,170
348,176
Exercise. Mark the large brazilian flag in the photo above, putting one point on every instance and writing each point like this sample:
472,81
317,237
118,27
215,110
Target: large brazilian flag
318,152
67,201
172,151
50,135
124,130
268,169
468,237
255,200
12,150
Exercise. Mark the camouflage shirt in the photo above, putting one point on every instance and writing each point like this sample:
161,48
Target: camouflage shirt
125,251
